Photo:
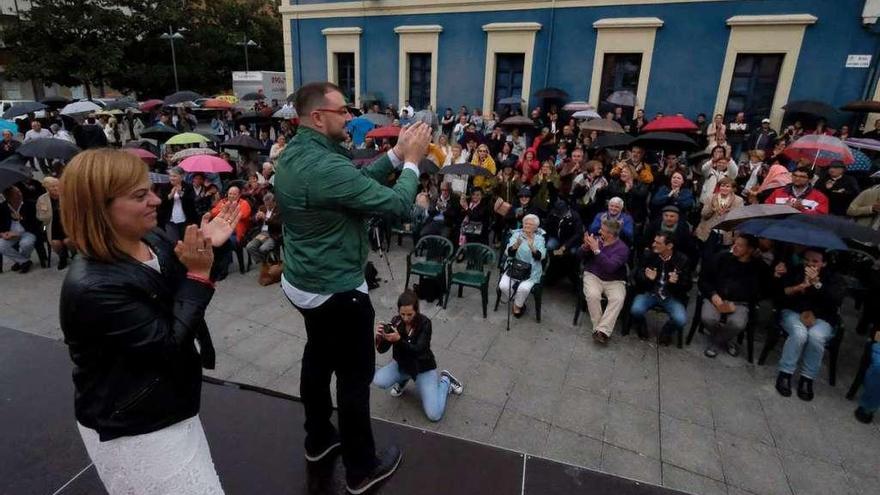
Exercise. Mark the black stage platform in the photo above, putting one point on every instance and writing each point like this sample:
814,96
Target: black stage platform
256,442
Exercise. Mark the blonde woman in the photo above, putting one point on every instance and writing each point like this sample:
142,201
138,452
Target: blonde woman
483,158
132,309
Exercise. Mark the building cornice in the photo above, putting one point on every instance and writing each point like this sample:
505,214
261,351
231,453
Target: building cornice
341,31
629,22
511,26
772,20
428,28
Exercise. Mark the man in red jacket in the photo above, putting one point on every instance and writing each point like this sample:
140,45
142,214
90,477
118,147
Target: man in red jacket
800,194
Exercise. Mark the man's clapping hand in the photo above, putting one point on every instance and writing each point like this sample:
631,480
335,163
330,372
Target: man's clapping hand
412,143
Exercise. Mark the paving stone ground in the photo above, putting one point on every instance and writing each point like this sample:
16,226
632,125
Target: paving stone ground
658,414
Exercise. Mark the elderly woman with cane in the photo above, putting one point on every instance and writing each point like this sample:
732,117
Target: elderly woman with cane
526,248
133,316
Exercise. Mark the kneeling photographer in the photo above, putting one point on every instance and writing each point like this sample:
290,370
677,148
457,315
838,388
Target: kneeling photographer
409,335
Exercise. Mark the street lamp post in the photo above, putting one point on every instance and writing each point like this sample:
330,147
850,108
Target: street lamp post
246,43
172,35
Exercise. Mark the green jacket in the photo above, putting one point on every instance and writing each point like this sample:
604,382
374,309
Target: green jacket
324,203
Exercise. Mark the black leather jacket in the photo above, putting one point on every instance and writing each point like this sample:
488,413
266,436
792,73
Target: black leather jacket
412,353
131,334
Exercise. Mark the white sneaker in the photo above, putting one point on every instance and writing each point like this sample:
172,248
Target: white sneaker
455,386
396,390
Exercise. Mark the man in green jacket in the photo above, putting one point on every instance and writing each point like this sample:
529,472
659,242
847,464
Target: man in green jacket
324,203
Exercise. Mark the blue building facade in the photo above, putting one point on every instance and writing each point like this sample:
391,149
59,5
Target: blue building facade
690,56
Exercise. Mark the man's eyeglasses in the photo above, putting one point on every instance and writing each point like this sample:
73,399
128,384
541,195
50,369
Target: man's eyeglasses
337,111
801,176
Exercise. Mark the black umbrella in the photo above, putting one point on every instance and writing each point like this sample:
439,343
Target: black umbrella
160,133
253,97
181,97
511,100
12,170
249,118
121,104
55,102
843,227
667,141
23,108
551,93
428,167
291,97
49,149
614,141
699,157
811,107
242,143
143,144
517,121
365,156
466,169
866,106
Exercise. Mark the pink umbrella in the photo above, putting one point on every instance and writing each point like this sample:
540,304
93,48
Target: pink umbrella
820,149
205,163
143,154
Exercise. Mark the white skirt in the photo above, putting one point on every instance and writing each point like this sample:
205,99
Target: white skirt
174,460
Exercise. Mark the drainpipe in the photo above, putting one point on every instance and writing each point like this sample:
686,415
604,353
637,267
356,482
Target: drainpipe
550,42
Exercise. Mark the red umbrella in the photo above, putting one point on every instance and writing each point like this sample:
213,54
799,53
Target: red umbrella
388,131
150,104
205,163
143,154
671,123
820,150
217,104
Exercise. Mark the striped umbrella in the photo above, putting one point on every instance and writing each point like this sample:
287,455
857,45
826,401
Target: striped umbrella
820,150
184,154
578,106
585,114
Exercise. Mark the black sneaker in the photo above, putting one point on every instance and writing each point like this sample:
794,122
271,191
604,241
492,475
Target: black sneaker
25,267
62,262
783,384
455,386
863,416
805,389
328,449
15,267
386,464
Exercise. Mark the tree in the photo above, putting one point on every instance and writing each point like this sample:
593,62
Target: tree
69,42
116,42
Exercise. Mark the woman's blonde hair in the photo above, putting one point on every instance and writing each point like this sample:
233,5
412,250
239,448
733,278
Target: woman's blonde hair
49,180
91,181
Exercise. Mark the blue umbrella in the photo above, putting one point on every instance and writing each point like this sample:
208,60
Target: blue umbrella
511,100
793,232
8,125
862,163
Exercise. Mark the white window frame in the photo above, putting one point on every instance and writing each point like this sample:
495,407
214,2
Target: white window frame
508,37
417,39
344,40
756,34
624,35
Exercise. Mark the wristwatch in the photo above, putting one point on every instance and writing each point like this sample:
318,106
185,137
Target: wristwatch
818,285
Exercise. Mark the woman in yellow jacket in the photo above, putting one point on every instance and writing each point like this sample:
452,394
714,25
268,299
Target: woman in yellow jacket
483,158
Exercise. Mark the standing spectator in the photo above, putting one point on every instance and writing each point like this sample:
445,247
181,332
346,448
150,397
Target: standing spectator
545,187
218,126
588,189
483,158
718,166
716,128
839,188
810,298
762,138
447,123
866,208
113,132
729,283
527,245
663,279
36,132
59,133
277,148
633,192
723,201
702,130
496,140
737,133
8,145
528,166
91,135
604,261
19,229
178,208
637,161
800,194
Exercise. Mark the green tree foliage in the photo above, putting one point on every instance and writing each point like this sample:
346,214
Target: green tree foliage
117,42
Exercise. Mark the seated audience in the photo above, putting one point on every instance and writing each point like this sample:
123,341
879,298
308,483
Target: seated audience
19,229
604,259
800,194
663,279
526,244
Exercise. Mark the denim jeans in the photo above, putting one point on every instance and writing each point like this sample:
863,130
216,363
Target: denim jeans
870,400
673,307
432,388
19,250
808,343
552,244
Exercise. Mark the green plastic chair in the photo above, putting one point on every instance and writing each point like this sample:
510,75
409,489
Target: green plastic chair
478,260
429,259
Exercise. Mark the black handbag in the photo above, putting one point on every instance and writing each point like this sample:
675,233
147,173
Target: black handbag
472,228
518,270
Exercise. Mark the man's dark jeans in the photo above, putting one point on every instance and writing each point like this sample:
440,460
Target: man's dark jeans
340,340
